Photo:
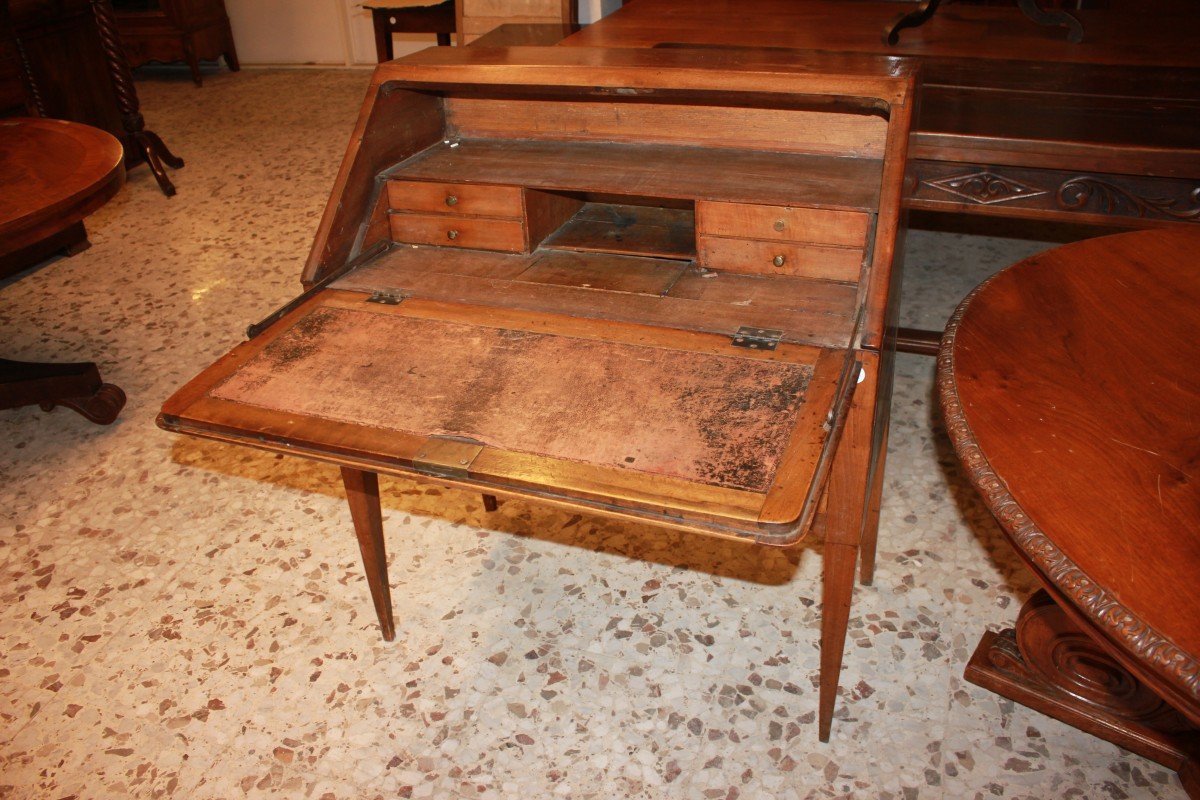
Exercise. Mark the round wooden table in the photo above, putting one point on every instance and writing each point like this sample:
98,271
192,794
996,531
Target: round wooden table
1070,390
52,175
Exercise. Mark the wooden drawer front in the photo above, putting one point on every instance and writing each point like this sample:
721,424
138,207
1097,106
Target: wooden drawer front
780,258
456,198
783,223
450,231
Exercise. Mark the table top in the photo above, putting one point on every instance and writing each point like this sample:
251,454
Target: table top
996,87
52,174
1069,388
1127,33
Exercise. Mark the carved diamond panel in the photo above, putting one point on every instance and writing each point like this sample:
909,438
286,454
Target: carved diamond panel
985,187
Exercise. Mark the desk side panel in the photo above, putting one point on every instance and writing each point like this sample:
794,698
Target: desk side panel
393,125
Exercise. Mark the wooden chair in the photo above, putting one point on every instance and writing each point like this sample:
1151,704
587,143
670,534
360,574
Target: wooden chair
176,30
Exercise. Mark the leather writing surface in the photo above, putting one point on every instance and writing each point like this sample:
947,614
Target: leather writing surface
713,419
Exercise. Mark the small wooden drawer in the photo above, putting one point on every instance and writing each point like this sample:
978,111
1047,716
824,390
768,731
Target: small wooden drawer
783,223
780,258
478,200
451,231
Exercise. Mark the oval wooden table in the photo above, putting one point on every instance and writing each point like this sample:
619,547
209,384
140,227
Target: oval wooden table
1069,387
52,175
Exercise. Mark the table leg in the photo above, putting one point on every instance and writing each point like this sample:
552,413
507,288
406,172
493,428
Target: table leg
383,34
362,492
1051,665
142,142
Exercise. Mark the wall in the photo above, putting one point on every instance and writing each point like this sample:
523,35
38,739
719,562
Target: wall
328,32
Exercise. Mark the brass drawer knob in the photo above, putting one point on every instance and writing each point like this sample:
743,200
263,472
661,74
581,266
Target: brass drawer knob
451,200
451,235
779,261
780,225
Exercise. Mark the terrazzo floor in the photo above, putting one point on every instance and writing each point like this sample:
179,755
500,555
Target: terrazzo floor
180,618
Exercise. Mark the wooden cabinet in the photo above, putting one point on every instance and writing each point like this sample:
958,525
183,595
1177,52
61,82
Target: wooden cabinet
550,274
176,30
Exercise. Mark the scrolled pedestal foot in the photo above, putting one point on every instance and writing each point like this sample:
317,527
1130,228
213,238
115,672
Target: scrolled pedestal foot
1051,665
101,407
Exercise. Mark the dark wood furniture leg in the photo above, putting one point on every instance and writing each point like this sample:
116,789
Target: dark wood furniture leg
489,502
137,138
76,386
1052,17
922,13
231,59
193,61
436,18
846,496
383,34
910,19
1053,666
362,492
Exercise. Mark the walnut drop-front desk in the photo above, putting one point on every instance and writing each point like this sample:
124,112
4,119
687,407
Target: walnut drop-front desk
652,285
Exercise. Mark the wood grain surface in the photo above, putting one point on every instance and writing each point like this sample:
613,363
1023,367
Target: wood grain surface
52,175
1069,390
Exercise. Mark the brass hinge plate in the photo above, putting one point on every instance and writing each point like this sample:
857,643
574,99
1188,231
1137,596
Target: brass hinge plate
756,338
387,297
446,458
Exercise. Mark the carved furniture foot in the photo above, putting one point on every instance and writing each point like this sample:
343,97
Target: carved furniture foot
76,386
1051,665
155,154
911,19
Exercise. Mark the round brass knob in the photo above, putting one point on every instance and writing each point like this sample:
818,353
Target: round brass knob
780,225
451,234
451,200
778,261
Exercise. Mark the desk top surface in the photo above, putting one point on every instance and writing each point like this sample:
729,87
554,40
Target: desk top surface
1068,386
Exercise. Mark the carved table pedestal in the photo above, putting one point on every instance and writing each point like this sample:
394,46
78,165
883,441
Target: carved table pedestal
53,174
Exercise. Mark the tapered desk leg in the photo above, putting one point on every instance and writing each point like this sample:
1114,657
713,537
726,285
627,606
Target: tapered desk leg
362,491
842,524
877,382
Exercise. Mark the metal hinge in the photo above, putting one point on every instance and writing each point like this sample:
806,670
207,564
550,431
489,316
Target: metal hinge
446,458
387,297
756,338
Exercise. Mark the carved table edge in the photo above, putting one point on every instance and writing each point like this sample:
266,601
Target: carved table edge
1166,659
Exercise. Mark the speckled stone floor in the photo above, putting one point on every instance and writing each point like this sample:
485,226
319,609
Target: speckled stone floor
185,619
